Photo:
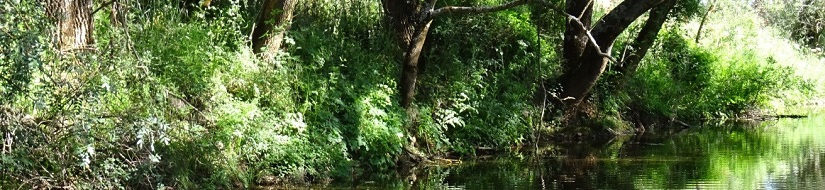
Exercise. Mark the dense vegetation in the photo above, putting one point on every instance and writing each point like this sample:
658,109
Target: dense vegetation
170,93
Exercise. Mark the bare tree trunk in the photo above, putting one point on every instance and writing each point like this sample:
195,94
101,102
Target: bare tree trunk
75,26
576,84
275,19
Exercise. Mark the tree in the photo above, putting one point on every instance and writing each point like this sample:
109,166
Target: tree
809,25
587,48
273,22
704,20
644,40
75,26
801,20
410,20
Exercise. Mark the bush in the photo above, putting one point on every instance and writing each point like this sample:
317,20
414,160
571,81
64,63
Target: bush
686,81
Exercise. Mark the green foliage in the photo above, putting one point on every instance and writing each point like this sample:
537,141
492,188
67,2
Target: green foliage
472,83
168,99
686,81
22,26
802,20
685,10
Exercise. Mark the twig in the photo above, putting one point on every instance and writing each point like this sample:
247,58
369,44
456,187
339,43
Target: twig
589,3
103,5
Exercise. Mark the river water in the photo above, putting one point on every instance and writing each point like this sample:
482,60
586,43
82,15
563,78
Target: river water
777,154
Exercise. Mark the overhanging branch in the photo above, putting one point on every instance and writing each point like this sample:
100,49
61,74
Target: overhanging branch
576,19
476,10
592,40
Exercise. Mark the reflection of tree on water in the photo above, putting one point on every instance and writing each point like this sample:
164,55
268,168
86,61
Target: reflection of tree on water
783,154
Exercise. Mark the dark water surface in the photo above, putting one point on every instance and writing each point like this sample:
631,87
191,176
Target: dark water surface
779,154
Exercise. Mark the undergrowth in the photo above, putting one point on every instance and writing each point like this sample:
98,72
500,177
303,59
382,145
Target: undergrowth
180,100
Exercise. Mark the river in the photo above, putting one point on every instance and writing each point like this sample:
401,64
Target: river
776,154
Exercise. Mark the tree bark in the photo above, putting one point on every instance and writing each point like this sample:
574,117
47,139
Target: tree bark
575,34
411,21
75,26
643,41
410,26
274,20
409,76
578,82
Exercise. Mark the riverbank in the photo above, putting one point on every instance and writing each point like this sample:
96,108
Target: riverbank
700,157
169,95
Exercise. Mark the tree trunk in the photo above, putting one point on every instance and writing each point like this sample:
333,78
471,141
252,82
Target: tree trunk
75,26
578,82
410,26
411,22
273,22
644,40
704,19
575,36
410,68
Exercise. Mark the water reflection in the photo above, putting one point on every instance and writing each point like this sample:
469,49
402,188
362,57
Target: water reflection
781,154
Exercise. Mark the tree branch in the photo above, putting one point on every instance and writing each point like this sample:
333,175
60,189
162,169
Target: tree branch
103,5
704,19
431,4
579,23
592,40
617,20
476,10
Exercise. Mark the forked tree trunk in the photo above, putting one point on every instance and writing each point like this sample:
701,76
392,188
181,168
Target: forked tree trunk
643,41
273,22
410,20
75,26
578,82
410,28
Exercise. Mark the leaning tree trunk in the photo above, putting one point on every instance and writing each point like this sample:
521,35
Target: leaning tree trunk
411,22
74,23
576,84
705,19
410,27
410,69
644,40
273,22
